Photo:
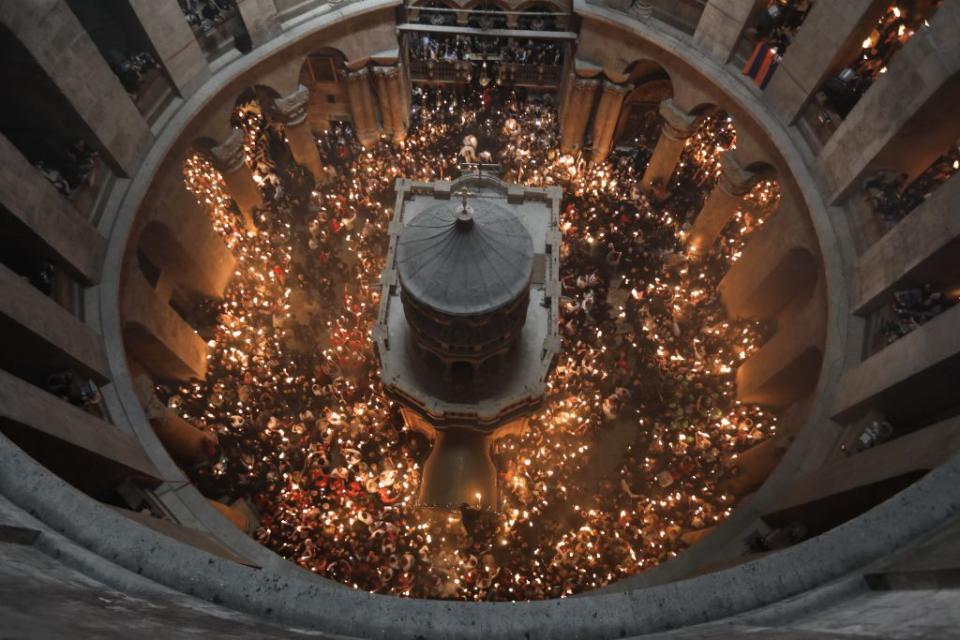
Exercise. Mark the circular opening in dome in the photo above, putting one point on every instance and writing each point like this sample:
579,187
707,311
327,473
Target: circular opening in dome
634,453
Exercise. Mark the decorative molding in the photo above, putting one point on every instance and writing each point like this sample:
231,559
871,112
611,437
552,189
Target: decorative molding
292,109
677,124
734,178
228,155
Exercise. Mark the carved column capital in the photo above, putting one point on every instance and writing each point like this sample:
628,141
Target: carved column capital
641,9
734,178
676,123
228,155
360,75
292,109
387,72
615,89
585,85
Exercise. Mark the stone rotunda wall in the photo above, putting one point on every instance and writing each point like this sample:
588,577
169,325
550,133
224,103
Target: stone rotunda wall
65,550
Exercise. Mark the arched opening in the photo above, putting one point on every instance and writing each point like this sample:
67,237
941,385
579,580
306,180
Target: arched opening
640,122
536,18
715,134
443,18
788,283
322,75
487,15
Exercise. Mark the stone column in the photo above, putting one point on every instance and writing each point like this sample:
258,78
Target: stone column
384,99
29,406
394,109
174,42
754,466
830,36
362,106
292,111
777,266
182,243
677,128
577,114
786,368
844,487
59,44
721,26
260,18
29,197
156,336
722,203
903,122
228,158
907,377
921,240
47,334
400,92
184,441
608,114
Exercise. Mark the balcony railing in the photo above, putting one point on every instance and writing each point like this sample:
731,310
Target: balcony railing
461,71
682,15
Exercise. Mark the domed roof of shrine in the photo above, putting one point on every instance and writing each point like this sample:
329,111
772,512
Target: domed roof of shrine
465,258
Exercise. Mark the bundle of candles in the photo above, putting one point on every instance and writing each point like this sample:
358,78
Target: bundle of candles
640,430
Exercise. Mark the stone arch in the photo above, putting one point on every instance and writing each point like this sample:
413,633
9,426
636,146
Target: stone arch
783,384
203,145
264,95
752,155
788,283
555,22
415,15
180,248
763,169
690,94
704,109
310,73
501,19
502,5
551,5
640,110
445,4
284,78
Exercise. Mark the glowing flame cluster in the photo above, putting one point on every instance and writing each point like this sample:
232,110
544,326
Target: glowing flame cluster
639,439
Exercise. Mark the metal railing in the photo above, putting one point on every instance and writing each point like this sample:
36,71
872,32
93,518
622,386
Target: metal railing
683,15
460,71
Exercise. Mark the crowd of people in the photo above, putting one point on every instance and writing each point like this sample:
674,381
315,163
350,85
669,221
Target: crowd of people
892,197
205,15
640,428
452,48
900,21
779,22
488,16
775,28
71,169
133,70
913,307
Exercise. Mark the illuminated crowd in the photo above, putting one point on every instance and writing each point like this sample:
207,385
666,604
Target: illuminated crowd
900,21
640,431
